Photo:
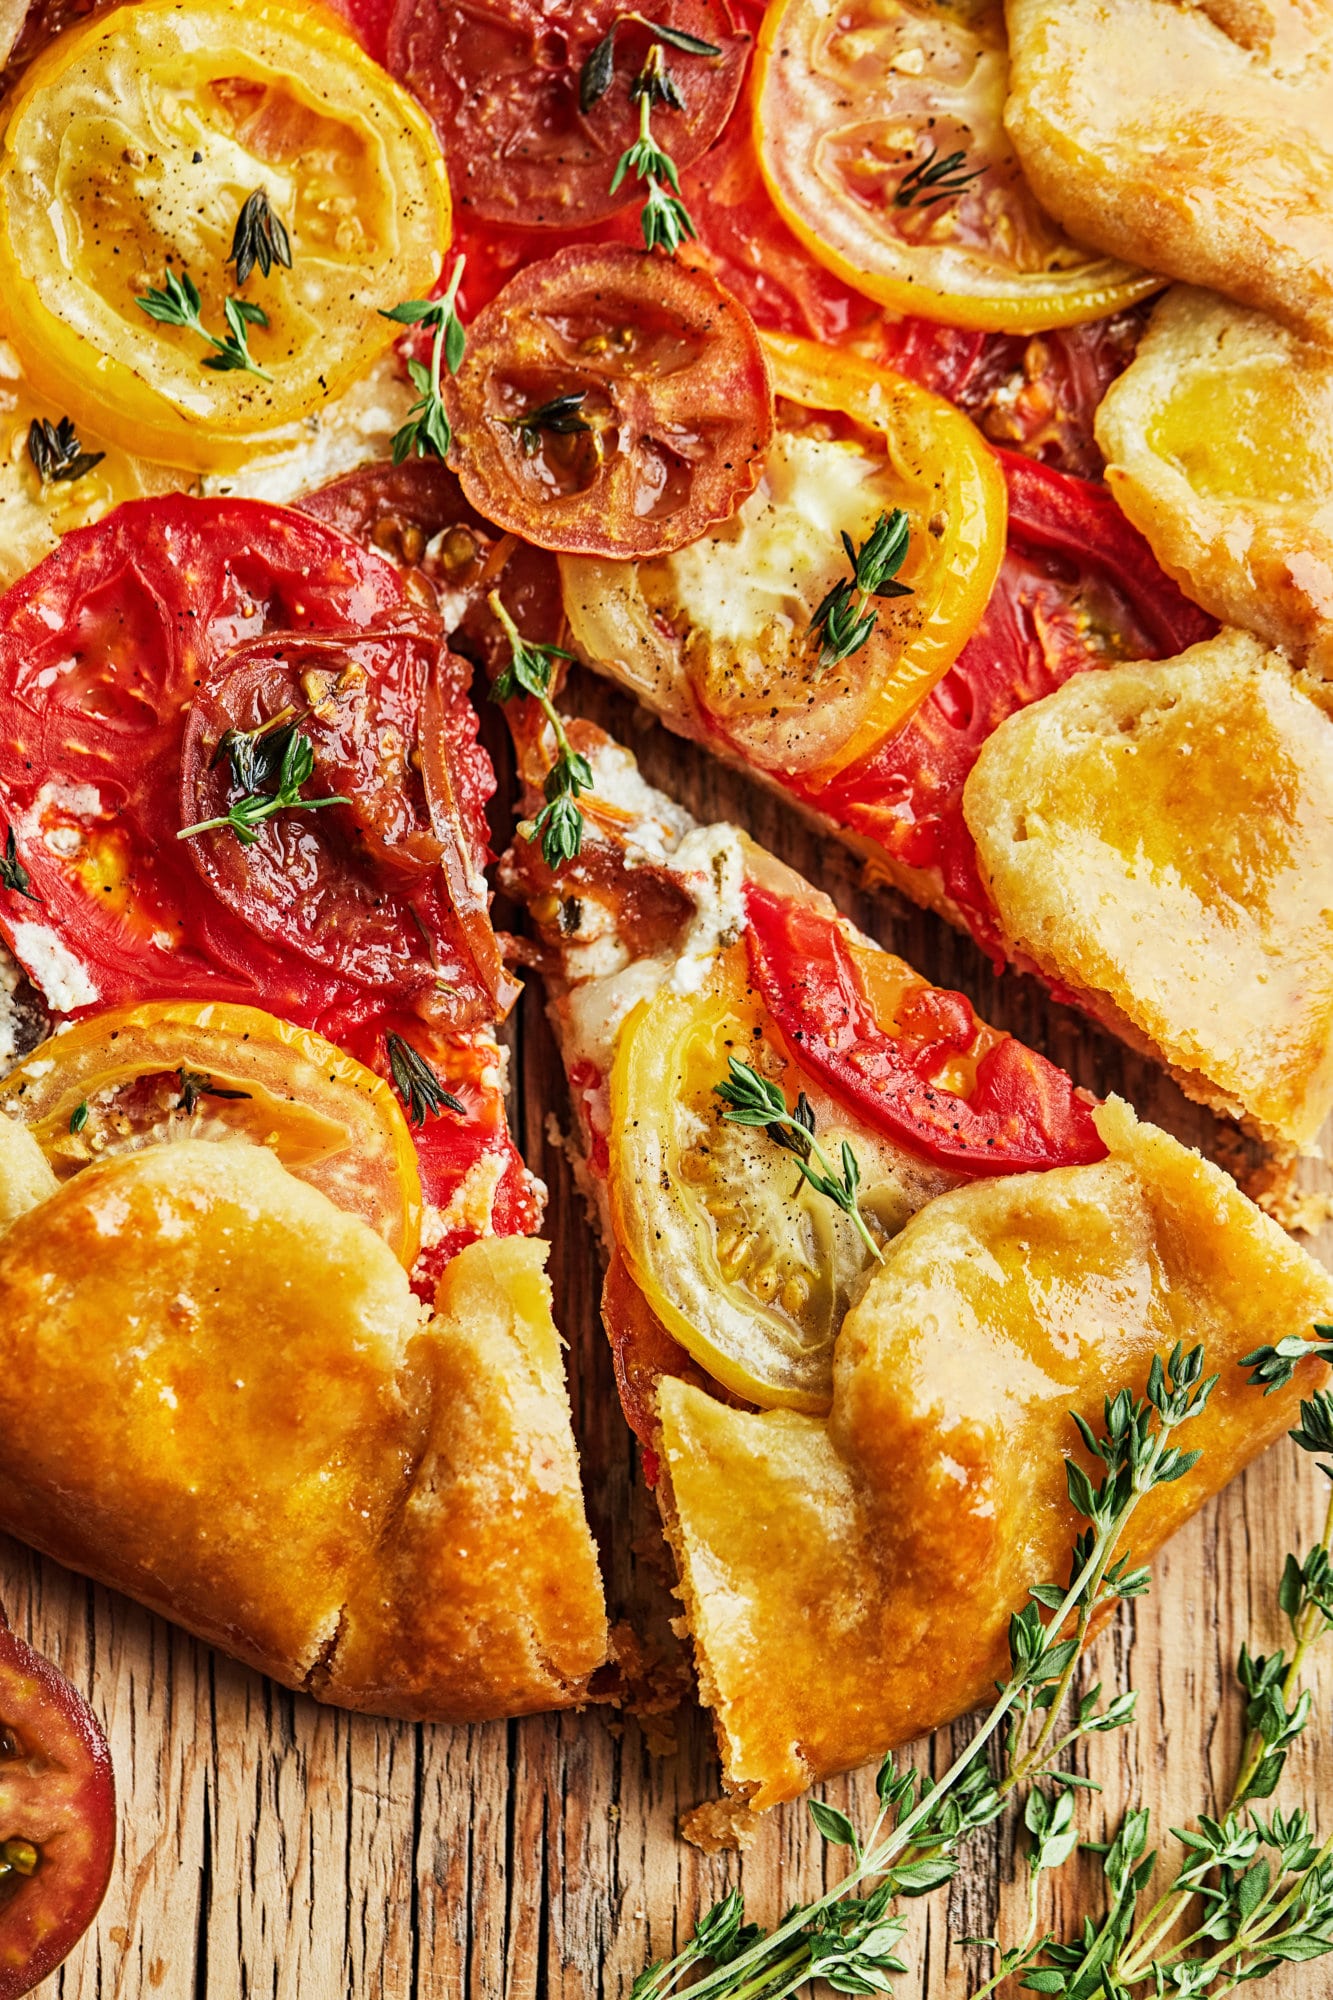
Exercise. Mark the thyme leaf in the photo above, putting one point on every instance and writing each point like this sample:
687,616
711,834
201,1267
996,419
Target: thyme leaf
295,764
195,1084
56,453
755,1100
13,875
559,824
260,237
843,620
78,1117
1273,1367
598,72
560,417
935,179
427,433
178,303
423,1095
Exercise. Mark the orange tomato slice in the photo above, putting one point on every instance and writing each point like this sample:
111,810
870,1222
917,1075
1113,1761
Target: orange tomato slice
879,126
188,1069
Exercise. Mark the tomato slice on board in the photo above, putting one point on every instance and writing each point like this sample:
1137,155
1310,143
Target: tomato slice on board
502,83
102,649
880,132
675,393
57,1797
1078,589
1021,1113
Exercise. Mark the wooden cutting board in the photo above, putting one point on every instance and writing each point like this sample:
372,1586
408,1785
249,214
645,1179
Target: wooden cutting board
275,1850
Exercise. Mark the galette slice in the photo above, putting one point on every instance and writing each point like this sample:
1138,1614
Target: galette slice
865,1254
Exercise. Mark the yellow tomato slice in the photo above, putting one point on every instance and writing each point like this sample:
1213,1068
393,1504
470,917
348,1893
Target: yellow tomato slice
188,1069
35,513
128,155
746,1266
860,108
722,627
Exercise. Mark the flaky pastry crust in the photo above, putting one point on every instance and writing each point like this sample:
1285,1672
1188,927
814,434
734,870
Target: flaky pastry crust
220,1396
848,1584
1192,137
1219,446
1159,835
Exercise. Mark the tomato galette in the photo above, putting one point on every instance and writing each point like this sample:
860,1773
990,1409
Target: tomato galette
803,371
864,1253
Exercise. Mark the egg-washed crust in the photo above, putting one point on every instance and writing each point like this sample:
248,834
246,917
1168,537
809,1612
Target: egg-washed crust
848,1585
220,1397
1217,441
848,1580
1159,838
1189,139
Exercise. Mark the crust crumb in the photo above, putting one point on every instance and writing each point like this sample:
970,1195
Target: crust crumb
1297,1209
649,1681
1270,1183
720,1826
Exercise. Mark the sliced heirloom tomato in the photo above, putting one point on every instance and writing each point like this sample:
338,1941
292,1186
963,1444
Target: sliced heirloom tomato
675,396
917,1066
880,131
57,1816
722,629
103,650
129,152
377,889
186,1069
742,1262
502,83
1078,589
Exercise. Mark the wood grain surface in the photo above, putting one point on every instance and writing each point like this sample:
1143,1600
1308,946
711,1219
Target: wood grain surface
270,1847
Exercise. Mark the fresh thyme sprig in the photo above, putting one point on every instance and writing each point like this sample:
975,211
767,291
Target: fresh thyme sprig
598,72
559,824
755,1100
1257,1890
427,431
260,237
178,304
935,179
561,417
665,220
1273,1367
13,875
423,1095
290,756
56,453
849,1936
844,621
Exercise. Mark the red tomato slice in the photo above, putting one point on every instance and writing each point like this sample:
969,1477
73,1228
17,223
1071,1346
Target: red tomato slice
1022,1113
419,515
501,80
471,1172
676,400
102,649
1078,589
57,1796
384,890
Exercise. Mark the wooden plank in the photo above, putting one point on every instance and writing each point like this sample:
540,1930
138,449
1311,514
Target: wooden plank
271,1848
